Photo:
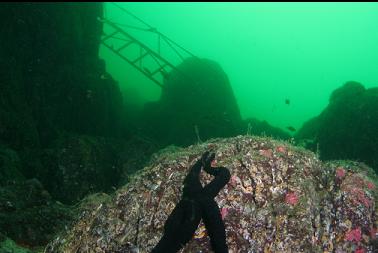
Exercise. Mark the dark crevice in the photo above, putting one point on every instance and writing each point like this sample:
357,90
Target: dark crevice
137,231
238,147
313,224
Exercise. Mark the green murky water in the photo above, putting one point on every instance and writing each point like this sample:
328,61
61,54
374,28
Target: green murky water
270,51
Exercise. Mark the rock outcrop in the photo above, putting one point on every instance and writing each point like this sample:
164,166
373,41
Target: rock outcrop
52,82
59,114
9,246
10,166
347,127
197,103
280,198
257,127
29,215
79,165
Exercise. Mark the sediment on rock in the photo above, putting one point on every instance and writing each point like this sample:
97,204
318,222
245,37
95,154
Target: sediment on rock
280,198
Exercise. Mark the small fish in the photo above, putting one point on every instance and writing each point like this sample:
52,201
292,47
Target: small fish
290,128
287,101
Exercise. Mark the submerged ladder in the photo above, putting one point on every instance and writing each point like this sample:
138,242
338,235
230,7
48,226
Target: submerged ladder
151,63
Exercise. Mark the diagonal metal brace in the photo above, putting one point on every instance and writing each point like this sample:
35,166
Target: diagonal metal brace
157,65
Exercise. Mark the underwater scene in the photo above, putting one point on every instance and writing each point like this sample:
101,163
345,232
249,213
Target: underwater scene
159,127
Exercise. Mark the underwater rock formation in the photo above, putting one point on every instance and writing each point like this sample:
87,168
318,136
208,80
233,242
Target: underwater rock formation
347,127
54,93
52,82
135,155
10,166
280,198
79,165
197,103
262,128
9,246
29,215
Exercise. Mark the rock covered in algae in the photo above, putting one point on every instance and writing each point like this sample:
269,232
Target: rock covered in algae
280,198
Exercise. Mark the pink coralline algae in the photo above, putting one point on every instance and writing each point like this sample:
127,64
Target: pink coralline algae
370,185
291,198
340,172
360,250
224,212
357,181
234,181
359,197
281,149
353,235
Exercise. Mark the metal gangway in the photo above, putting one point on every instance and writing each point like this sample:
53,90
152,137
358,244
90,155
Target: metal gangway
152,62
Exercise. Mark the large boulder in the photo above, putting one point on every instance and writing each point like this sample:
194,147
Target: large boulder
197,103
79,165
135,155
28,214
280,198
257,127
347,127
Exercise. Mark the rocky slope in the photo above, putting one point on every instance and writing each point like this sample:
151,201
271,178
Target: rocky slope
347,127
280,198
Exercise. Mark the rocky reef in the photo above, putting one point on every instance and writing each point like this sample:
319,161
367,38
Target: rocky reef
61,116
9,246
252,126
63,135
80,165
29,215
52,82
197,103
347,127
281,198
